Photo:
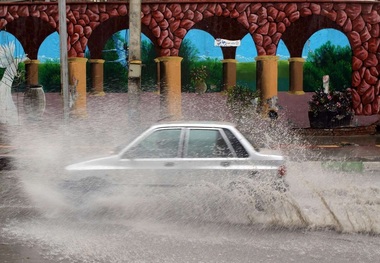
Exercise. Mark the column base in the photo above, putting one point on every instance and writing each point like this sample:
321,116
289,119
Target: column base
297,92
97,93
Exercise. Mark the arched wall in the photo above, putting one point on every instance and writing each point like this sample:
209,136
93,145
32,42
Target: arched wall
168,22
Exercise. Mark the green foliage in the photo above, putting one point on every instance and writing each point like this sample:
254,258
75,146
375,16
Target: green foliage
115,74
189,53
215,73
49,75
115,77
242,101
283,75
198,74
149,69
246,74
331,60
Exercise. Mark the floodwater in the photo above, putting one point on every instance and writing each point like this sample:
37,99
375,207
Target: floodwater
326,216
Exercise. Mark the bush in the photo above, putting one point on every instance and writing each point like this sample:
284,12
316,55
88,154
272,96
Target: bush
49,75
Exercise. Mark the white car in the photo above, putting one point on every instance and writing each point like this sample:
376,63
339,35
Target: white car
185,153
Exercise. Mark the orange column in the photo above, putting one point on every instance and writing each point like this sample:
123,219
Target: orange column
170,87
77,73
31,71
229,73
267,79
296,76
97,77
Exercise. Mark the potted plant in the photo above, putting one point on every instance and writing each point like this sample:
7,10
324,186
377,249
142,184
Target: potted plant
242,102
330,109
198,77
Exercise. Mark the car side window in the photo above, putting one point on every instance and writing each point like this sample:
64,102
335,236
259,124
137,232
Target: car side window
238,147
160,144
203,143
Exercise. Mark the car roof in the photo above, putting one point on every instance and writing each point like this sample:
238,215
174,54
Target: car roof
200,124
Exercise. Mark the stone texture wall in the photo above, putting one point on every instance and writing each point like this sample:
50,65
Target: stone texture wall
167,23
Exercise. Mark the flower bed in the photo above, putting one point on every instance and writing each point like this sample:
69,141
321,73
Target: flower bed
330,109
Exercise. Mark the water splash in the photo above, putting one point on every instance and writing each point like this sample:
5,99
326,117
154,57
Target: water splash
74,227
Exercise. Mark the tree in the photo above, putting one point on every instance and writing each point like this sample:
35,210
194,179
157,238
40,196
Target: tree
331,60
49,75
190,54
115,73
149,69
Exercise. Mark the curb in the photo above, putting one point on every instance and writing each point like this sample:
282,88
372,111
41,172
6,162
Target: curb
351,166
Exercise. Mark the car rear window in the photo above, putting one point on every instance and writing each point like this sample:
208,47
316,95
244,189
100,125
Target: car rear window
238,147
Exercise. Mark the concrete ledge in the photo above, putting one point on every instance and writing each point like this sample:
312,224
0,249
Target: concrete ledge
350,166
342,131
354,166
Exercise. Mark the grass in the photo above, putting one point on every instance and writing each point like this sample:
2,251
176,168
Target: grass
246,74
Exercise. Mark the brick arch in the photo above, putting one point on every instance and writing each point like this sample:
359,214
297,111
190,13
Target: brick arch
169,23
360,23
103,32
308,26
223,27
30,29
85,18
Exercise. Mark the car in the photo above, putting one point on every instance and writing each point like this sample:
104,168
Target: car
184,154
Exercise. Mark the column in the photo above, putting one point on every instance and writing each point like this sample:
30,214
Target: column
77,79
229,73
296,75
158,73
31,71
97,77
267,80
170,87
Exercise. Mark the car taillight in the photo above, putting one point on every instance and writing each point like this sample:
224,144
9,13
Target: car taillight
281,171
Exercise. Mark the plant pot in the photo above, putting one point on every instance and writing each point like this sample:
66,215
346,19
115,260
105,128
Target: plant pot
328,120
200,87
34,102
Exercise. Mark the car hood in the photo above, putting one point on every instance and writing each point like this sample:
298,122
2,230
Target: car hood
95,164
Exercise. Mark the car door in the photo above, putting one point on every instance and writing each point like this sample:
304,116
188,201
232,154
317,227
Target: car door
153,159
208,156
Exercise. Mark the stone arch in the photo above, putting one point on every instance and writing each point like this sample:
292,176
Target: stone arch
169,23
223,27
248,37
31,32
105,30
308,26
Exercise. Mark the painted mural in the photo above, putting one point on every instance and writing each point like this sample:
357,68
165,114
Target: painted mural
167,25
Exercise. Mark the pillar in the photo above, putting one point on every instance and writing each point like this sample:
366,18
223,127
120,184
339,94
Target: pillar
296,75
170,87
158,73
97,77
77,73
267,79
31,71
229,73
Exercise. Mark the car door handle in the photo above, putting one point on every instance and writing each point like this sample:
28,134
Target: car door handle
169,164
225,164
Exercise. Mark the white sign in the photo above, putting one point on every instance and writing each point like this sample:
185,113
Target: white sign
219,42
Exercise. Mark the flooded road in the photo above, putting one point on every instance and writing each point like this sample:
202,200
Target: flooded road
326,216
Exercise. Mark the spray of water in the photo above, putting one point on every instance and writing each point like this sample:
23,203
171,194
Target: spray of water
71,214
